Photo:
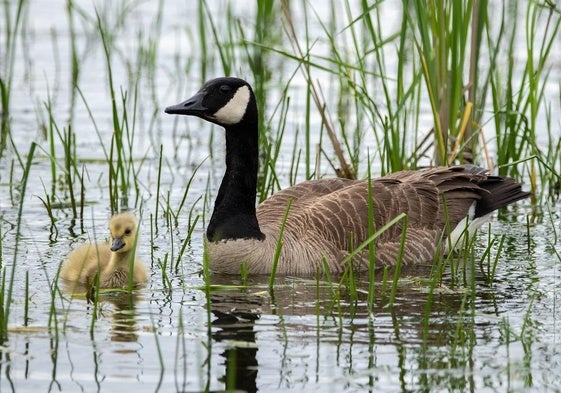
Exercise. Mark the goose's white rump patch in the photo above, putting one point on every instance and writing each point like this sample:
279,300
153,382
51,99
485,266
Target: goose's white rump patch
466,227
234,110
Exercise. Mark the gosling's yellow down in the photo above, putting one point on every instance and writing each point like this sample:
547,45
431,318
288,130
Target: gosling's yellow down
111,259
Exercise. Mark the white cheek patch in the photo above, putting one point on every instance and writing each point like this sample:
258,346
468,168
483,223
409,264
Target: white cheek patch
234,110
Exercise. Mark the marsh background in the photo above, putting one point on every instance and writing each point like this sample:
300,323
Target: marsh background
344,87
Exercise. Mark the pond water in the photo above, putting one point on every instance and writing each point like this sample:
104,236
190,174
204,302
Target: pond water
176,334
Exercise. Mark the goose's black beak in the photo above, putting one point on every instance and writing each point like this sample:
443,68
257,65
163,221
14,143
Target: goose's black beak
117,244
193,106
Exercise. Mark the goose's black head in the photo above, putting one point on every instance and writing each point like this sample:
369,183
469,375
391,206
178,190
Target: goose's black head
223,101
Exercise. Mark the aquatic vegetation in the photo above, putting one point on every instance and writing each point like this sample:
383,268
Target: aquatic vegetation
351,88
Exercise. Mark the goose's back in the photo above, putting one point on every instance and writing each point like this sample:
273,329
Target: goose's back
303,196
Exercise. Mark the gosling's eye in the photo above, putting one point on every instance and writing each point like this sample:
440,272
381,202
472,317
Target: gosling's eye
128,231
225,89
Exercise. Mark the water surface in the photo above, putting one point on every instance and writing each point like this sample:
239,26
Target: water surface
175,335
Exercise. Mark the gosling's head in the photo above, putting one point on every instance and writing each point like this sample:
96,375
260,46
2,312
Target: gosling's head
122,229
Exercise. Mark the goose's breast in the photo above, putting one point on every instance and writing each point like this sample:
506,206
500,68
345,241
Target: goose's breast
228,256
299,254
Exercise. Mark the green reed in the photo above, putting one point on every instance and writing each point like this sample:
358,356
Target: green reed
26,300
442,42
449,39
4,308
23,190
71,177
399,260
190,228
162,265
158,185
71,173
371,245
74,55
120,158
521,105
462,337
487,263
268,181
52,324
159,352
244,273
226,52
52,129
348,279
7,288
278,248
207,288
315,90
257,57
13,25
177,212
202,36
132,260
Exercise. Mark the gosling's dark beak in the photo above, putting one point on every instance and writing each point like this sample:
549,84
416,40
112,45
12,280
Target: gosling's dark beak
193,106
117,244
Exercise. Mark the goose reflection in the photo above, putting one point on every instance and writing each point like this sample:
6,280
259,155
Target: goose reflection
313,305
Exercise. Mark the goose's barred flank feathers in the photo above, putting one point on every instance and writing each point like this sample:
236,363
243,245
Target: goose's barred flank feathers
329,217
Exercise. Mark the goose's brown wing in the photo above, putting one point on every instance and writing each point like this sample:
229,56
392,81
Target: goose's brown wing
341,218
338,211
435,200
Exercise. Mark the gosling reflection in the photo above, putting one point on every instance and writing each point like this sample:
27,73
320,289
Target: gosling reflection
119,305
123,325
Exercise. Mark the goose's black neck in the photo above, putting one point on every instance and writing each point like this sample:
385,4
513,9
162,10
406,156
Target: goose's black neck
234,215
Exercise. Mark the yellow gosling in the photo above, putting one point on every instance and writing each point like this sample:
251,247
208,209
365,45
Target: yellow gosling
111,260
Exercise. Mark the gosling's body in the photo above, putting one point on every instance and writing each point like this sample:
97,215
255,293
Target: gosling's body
110,260
328,218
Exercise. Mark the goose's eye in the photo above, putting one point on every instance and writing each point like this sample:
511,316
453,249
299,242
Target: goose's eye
225,89
128,231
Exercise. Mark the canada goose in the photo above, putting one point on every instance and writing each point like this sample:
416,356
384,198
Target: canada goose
328,217
111,260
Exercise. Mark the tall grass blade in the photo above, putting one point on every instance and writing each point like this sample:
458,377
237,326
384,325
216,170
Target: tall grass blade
278,248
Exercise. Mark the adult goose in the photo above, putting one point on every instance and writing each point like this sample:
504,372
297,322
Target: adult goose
328,218
112,260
